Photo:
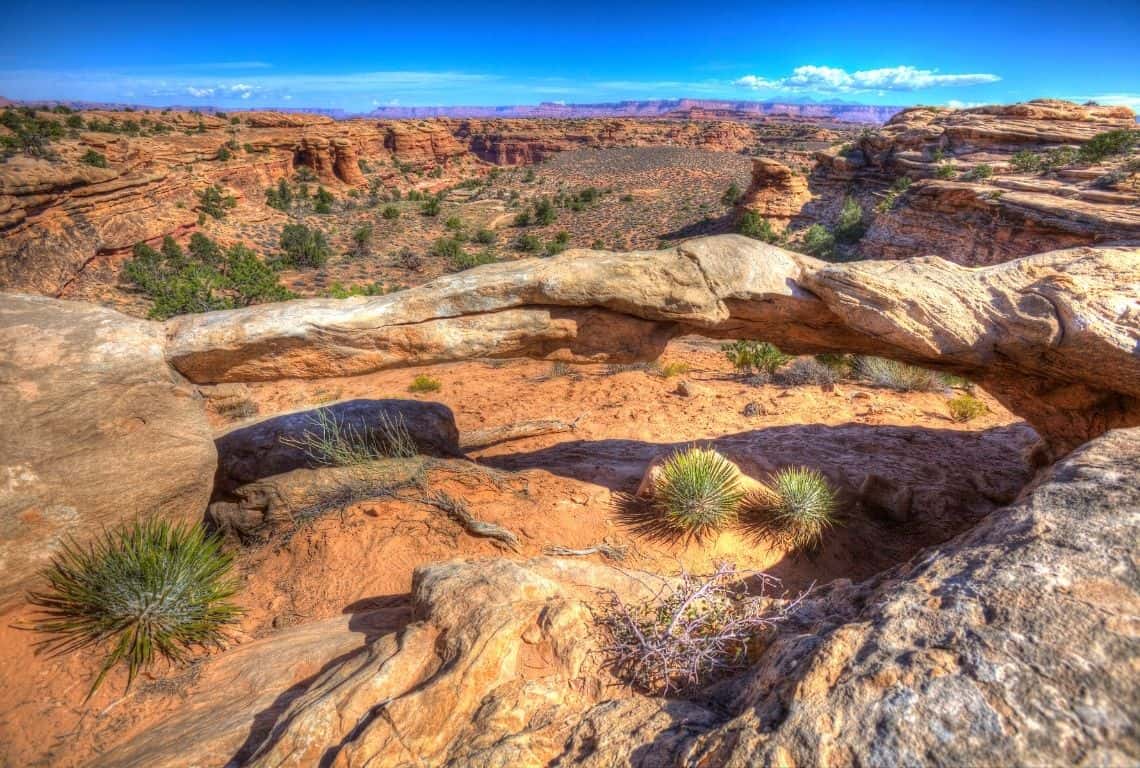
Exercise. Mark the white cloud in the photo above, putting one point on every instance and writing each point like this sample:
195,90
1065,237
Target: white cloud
819,79
1131,100
201,93
955,104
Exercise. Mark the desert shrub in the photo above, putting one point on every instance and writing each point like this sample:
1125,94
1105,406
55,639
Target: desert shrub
447,248
1107,144
390,212
362,240
544,212
304,174
808,370
322,201
147,588
30,133
626,198
340,291
528,243
74,121
755,226
979,172
485,237
250,280
408,259
559,244
1025,161
673,368
330,440
241,408
746,356
819,242
697,491
93,158
279,197
796,508
695,631
946,171
430,207
522,218
850,225
840,362
424,383
529,176
453,223
462,260
304,247
732,195
895,375
900,185
213,203
223,154
559,369
965,407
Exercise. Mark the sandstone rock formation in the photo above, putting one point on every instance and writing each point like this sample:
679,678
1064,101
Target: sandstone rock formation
97,429
252,451
776,192
975,221
1054,336
1008,644
59,219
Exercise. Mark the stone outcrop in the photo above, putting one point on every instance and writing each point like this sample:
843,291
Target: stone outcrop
253,451
1053,336
776,193
1009,644
986,220
97,429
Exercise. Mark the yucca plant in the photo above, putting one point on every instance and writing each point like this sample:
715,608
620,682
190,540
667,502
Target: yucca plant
698,491
147,588
796,507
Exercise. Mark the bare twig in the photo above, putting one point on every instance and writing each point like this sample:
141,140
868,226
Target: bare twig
606,550
482,438
457,510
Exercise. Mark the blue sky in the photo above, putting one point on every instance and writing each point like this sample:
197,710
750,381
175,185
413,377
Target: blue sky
356,56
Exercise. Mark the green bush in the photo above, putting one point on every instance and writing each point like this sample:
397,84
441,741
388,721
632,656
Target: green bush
304,174
697,491
430,207
453,223
979,172
485,237
758,228
213,203
322,201
850,226
732,195
819,242
1025,161
362,241
140,590
528,243
1107,144
93,158
223,154
74,121
900,185
304,247
544,212
946,171
424,383
279,197
522,219
898,376
965,407
746,356
390,212
798,508
463,260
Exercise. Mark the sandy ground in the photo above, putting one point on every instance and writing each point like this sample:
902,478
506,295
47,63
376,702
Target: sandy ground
566,490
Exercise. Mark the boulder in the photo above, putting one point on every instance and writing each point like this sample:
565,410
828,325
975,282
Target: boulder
265,448
776,193
97,430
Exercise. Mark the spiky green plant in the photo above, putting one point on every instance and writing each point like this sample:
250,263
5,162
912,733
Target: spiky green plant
746,355
797,508
146,588
965,407
698,491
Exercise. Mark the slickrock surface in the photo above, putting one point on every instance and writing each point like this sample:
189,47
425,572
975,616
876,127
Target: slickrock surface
1053,336
97,429
1010,644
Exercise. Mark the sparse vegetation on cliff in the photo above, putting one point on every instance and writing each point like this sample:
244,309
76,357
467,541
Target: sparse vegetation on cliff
757,227
850,226
748,356
213,202
147,589
304,247
93,158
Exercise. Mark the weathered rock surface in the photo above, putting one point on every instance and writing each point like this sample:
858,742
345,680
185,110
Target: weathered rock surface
776,193
97,429
1053,336
988,220
1011,643
269,447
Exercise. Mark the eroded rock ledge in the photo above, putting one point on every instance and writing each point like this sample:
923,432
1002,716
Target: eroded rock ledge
1053,336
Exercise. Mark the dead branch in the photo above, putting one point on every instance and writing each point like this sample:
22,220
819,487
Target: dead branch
457,510
482,438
